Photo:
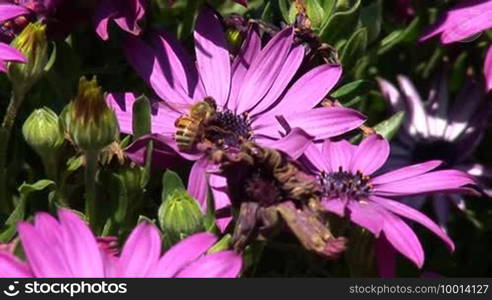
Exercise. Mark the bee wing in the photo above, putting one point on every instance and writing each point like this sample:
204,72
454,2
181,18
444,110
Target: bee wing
178,107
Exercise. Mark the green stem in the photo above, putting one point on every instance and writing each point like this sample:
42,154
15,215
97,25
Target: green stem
90,186
50,166
16,100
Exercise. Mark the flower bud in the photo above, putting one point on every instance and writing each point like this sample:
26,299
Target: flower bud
234,39
41,131
180,216
33,44
88,120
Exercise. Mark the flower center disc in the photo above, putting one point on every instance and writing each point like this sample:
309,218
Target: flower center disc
344,184
227,129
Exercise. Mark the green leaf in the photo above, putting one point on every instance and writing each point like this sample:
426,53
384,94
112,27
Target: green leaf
122,197
351,88
399,36
267,14
143,218
338,24
389,127
354,49
25,189
223,244
315,12
328,6
371,18
141,117
74,163
18,214
458,73
51,60
171,182
284,6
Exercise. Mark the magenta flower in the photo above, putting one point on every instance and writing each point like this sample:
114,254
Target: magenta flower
126,13
67,248
251,93
12,19
60,16
465,19
487,70
436,130
350,190
7,54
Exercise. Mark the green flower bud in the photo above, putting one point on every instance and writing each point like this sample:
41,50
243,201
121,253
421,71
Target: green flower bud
33,44
41,131
180,216
234,39
88,120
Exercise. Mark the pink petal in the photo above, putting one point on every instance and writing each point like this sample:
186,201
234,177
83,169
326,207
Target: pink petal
131,13
145,61
242,62
224,264
10,11
197,183
313,154
326,122
43,263
264,70
335,205
12,267
8,53
141,252
417,115
432,182
104,13
294,143
212,57
308,90
286,74
406,172
391,93
219,191
371,154
184,253
122,105
488,69
79,245
462,21
365,215
178,67
338,154
412,214
164,154
403,239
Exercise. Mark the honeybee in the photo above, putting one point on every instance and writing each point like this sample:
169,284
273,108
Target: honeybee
190,127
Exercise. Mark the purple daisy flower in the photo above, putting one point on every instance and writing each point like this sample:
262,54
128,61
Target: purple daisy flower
75,252
464,20
437,130
345,172
250,92
487,70
60,16
126,13
8,53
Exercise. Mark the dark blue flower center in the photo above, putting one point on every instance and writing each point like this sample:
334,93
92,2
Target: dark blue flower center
227,129
344,184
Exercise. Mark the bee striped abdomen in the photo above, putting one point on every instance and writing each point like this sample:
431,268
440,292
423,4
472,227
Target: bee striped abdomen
187,129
